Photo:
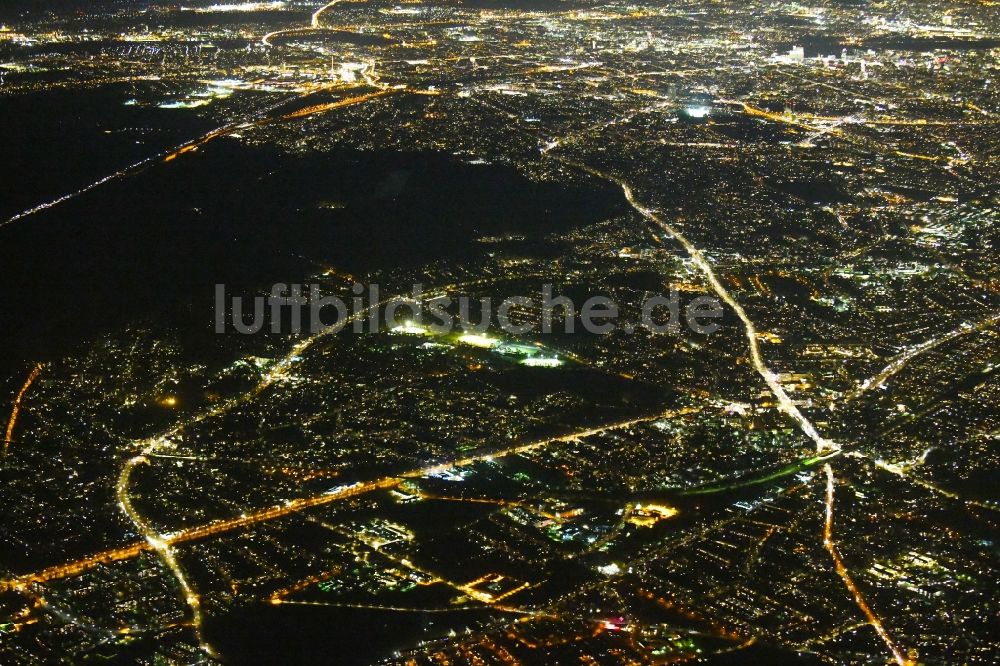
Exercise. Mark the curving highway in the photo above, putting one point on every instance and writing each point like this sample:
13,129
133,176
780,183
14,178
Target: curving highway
901,361
314,24
785,404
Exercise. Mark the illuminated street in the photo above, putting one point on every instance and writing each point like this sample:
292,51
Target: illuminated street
500,333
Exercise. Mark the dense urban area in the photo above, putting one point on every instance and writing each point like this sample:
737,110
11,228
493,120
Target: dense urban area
814,482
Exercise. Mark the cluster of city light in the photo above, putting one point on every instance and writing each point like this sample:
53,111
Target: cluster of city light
250,519
409,328
479,340
542,362
239,7
163,544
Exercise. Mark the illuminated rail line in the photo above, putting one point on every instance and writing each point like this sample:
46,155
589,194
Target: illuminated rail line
339,104
845,575
904,471
15,412
401,609
211,529
137,167
172,154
